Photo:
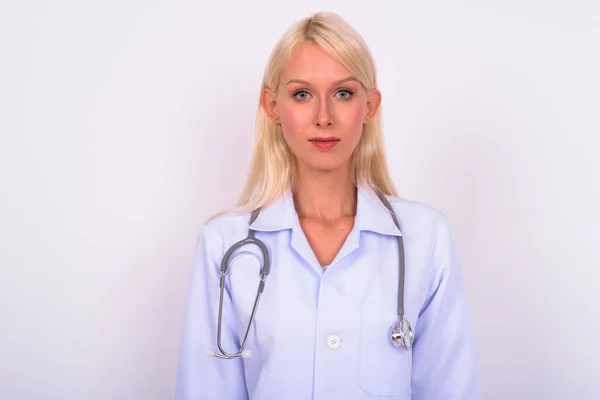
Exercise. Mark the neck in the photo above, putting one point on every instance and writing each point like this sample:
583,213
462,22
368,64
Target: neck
327,195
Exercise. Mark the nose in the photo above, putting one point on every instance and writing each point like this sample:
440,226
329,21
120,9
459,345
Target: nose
323,117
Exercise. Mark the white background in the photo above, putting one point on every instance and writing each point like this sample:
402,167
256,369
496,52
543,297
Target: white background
125,124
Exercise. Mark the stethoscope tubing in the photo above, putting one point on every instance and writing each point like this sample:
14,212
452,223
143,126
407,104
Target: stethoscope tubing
402,335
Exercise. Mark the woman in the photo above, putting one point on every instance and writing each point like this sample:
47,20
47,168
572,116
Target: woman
323,326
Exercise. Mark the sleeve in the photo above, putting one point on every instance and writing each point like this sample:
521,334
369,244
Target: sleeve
200,376
444,358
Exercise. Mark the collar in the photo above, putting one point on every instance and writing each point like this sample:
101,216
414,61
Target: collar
371,215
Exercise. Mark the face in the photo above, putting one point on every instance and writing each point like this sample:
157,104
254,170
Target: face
321,108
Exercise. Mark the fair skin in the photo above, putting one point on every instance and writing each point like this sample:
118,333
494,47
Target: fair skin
319,98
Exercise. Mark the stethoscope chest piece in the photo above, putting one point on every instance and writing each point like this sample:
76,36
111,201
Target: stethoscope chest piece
402,335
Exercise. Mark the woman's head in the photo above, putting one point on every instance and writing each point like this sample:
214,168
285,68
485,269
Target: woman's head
320,107
320,83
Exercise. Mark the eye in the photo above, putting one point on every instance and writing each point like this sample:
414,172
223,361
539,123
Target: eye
344,94
301,95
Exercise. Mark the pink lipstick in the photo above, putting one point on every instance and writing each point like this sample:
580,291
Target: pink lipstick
324,143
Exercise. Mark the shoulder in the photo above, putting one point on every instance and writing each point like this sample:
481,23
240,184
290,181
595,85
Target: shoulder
420,220
413,211
225,229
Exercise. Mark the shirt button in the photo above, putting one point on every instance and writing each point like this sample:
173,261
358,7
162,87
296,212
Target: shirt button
334,341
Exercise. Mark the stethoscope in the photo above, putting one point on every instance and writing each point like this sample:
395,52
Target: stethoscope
401,332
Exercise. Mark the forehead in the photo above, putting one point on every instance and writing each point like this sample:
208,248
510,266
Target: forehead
311,63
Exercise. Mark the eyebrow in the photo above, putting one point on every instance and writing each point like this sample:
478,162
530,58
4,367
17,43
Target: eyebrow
350,78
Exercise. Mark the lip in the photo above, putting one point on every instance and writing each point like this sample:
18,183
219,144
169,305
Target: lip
325,143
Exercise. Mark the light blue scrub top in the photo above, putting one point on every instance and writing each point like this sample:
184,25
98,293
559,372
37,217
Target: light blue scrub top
325,334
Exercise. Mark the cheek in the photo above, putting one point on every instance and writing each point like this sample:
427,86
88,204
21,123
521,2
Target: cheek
359,116
290,121
295,119
354,117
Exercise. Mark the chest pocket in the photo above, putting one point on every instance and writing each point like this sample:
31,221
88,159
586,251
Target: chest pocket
384,369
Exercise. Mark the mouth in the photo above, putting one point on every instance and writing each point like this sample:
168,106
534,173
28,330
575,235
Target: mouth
324,143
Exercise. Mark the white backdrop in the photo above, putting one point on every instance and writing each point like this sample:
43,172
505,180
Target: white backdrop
125,124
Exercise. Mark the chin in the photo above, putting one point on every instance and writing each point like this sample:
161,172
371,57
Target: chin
327,165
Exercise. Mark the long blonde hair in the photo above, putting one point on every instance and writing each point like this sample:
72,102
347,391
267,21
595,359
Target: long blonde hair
272,169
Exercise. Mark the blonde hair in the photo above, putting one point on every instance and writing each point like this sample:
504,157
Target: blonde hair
272,169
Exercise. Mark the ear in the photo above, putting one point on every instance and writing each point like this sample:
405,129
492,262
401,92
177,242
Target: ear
373,103
268,101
